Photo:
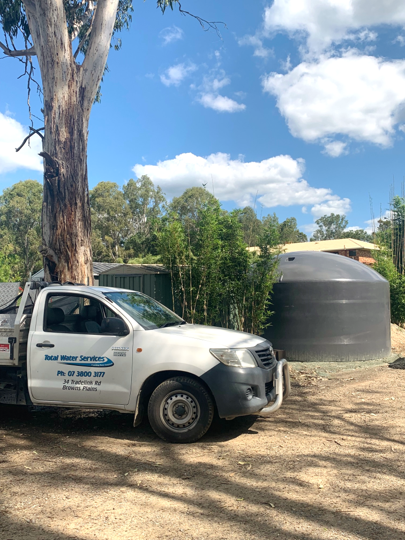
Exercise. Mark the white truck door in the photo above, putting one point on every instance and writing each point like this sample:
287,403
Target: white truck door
70,360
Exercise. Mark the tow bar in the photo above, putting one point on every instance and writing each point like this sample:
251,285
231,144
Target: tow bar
282,379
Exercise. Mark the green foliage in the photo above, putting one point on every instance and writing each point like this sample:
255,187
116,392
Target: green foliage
163,4
289,232
215,279
110,218
360,234
391,233
20,226
9,264
386,267
390,263
330,227
383,235
251,226
146,204
188,206
148,259
13,19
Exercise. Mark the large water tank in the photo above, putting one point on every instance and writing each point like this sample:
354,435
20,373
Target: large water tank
329,308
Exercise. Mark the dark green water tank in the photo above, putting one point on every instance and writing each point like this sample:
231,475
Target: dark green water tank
329,308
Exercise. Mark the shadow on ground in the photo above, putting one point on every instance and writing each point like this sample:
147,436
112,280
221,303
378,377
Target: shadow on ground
316,470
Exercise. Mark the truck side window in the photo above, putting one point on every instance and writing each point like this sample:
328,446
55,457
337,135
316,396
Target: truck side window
76,314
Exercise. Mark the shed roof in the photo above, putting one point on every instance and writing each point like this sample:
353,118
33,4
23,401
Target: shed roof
98,268
136,269
326,245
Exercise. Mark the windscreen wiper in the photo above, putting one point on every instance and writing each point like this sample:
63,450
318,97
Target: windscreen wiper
172,323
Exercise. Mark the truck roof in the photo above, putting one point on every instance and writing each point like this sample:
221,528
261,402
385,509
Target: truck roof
86,288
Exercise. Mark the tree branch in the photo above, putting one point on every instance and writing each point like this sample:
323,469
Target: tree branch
87,15
98,49
205,25
24,52
33,132
86,35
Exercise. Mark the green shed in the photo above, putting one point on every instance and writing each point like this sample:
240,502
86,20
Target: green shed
151,279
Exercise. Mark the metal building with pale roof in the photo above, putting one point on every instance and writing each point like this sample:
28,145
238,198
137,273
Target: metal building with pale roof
348,247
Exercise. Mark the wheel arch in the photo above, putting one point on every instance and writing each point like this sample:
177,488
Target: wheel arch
153,382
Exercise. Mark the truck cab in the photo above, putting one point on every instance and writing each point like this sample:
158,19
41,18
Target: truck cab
107,348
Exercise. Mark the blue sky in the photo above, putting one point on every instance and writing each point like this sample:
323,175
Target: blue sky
298,107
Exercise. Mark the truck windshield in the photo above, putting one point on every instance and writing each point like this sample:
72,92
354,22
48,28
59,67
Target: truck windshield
144,310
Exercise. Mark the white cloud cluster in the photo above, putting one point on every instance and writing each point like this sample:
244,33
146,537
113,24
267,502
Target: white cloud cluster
400,40
323,22
276,181
171,34
209,90
257,43
334,148
12,133
356,96
335,205
210,97
220,103
175,75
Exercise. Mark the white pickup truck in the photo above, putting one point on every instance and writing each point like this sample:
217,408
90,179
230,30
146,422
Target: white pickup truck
97,347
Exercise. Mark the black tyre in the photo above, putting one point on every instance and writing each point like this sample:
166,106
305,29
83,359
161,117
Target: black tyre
180,410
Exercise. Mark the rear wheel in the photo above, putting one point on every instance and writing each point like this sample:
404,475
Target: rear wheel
180,410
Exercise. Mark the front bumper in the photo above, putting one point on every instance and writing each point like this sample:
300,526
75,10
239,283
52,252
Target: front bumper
244,391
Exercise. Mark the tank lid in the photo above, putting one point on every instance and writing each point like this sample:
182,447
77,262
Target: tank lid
319,266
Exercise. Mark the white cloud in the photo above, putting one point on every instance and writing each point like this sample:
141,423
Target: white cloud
12,134
335,205
360,97
323,22
217,84
257,42
286,65
276,181
400,40
220,103
335,148
309,228
210,97
171,34
175,75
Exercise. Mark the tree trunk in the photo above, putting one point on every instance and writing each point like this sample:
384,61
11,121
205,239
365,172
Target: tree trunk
69,90
66,222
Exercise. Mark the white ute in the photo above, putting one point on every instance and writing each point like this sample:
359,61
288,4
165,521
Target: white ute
96,347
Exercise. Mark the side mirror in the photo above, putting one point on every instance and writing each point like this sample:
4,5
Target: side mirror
113,326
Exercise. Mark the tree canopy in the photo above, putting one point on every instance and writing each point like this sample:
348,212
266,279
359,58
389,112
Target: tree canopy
330,227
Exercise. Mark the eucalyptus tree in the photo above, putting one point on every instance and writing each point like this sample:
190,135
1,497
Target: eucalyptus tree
330,227
147,204
71,40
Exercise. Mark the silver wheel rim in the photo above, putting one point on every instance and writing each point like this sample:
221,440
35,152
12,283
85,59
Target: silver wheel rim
179,411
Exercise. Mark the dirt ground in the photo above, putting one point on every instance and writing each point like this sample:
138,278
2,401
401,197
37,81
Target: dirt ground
329,465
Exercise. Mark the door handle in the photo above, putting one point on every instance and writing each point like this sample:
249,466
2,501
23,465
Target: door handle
45,345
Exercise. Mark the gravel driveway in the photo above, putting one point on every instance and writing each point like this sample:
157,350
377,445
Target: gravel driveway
329,465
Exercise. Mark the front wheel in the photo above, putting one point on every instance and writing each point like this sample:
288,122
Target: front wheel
180,410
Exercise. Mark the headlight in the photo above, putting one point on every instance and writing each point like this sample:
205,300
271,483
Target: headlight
235,357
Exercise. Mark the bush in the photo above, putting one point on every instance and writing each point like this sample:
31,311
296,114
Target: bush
386,267
215,279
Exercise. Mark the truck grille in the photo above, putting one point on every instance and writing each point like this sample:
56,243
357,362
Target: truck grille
265,357
268,387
